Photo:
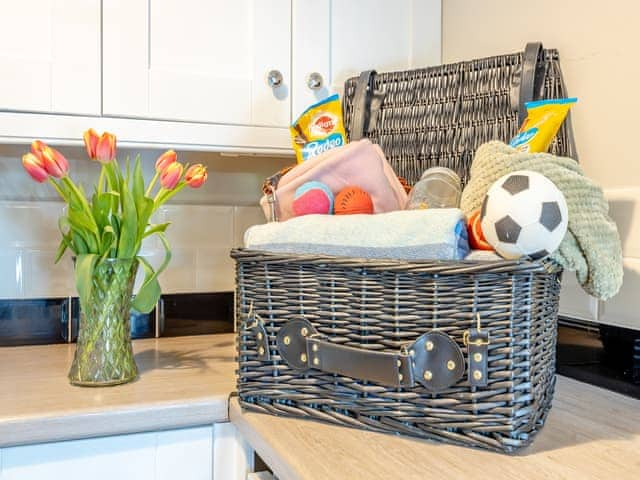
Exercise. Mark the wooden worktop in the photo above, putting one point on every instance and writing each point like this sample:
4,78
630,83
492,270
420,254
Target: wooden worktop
590,433
184,381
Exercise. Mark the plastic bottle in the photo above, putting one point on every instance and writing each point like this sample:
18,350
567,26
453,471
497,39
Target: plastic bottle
439,187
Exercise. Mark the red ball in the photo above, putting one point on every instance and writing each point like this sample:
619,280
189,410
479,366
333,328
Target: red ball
351,200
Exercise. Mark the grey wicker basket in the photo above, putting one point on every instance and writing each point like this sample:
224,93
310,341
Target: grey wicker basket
461,352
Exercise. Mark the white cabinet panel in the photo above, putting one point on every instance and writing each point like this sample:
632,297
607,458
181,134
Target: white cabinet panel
232,456
197,60
341,38
185,453
165,455
50,56
126,457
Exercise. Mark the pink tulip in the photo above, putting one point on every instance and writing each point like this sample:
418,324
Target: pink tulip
34,167
171,175
196,175
166,159
91,138
106,148
54,162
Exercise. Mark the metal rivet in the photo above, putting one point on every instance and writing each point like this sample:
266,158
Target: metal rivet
399,363
428,346
477,357
428,375
303,357
316,361
477,374
304,332
287,340
451,365
314,347
400,377
259,335
261,350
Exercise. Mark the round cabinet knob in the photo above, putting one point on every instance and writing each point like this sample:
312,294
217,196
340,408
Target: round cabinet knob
314,81
274,78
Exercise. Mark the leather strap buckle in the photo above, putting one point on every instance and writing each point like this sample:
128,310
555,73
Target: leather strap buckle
477,342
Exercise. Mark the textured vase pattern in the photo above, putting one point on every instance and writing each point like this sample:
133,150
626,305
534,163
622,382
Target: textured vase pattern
103,352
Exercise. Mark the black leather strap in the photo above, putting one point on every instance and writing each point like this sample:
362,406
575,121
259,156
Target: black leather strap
531,78
478,349
361,104
433,360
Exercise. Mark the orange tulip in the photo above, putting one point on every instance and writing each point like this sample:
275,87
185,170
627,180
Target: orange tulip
54,162
196,175
171,175
166,159
91,138
106,148
34,167
37,147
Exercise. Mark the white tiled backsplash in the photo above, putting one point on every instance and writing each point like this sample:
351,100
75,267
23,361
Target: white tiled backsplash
201,237
207,224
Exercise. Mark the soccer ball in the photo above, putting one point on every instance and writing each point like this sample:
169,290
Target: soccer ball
524,214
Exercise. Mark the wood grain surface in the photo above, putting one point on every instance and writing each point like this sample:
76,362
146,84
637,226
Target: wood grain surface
183,381
590,433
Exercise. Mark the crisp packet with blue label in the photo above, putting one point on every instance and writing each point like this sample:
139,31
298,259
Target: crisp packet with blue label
318,129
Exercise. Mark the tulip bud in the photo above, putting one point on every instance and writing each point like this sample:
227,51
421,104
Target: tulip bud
196,175
106,148
166,159
34,167
54,162
91,138
37,147
171,175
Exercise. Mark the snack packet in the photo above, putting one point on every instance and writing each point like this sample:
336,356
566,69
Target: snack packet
544,118
318,129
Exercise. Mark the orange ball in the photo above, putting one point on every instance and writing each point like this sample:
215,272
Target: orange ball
351,200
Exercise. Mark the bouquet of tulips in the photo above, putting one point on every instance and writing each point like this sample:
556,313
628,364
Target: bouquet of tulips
114,220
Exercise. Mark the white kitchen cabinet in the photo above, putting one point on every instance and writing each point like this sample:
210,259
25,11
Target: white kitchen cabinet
337,39
50,56
194,74
214,452
197,60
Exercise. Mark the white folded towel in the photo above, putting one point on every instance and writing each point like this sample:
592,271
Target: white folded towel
432,234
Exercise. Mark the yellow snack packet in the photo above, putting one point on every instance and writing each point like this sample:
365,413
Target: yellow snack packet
544,118
318,129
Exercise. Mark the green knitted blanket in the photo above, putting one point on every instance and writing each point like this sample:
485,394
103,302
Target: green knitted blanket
591,246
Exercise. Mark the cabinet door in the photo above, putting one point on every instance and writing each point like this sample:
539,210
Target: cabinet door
197,60
50,56
340,38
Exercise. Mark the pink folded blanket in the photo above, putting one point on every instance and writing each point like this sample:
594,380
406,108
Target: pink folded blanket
358,163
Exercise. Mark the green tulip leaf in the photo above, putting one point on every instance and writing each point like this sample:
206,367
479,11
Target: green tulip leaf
160,227
149,293
85,265
129,226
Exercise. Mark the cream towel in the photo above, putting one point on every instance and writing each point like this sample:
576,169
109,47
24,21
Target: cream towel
592,244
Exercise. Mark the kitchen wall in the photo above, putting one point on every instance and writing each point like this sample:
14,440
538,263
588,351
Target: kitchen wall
206,223
598,46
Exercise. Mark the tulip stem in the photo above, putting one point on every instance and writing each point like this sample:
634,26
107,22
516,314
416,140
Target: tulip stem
57,188
152,183
101,180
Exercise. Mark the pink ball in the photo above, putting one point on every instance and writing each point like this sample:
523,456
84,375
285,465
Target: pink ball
313,197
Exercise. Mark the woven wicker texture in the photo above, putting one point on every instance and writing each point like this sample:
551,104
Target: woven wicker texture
380,306
433,116
439,116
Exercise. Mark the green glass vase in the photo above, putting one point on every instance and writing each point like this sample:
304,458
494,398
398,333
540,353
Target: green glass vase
104,355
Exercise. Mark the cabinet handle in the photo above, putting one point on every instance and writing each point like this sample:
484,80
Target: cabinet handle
314,81
274,78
